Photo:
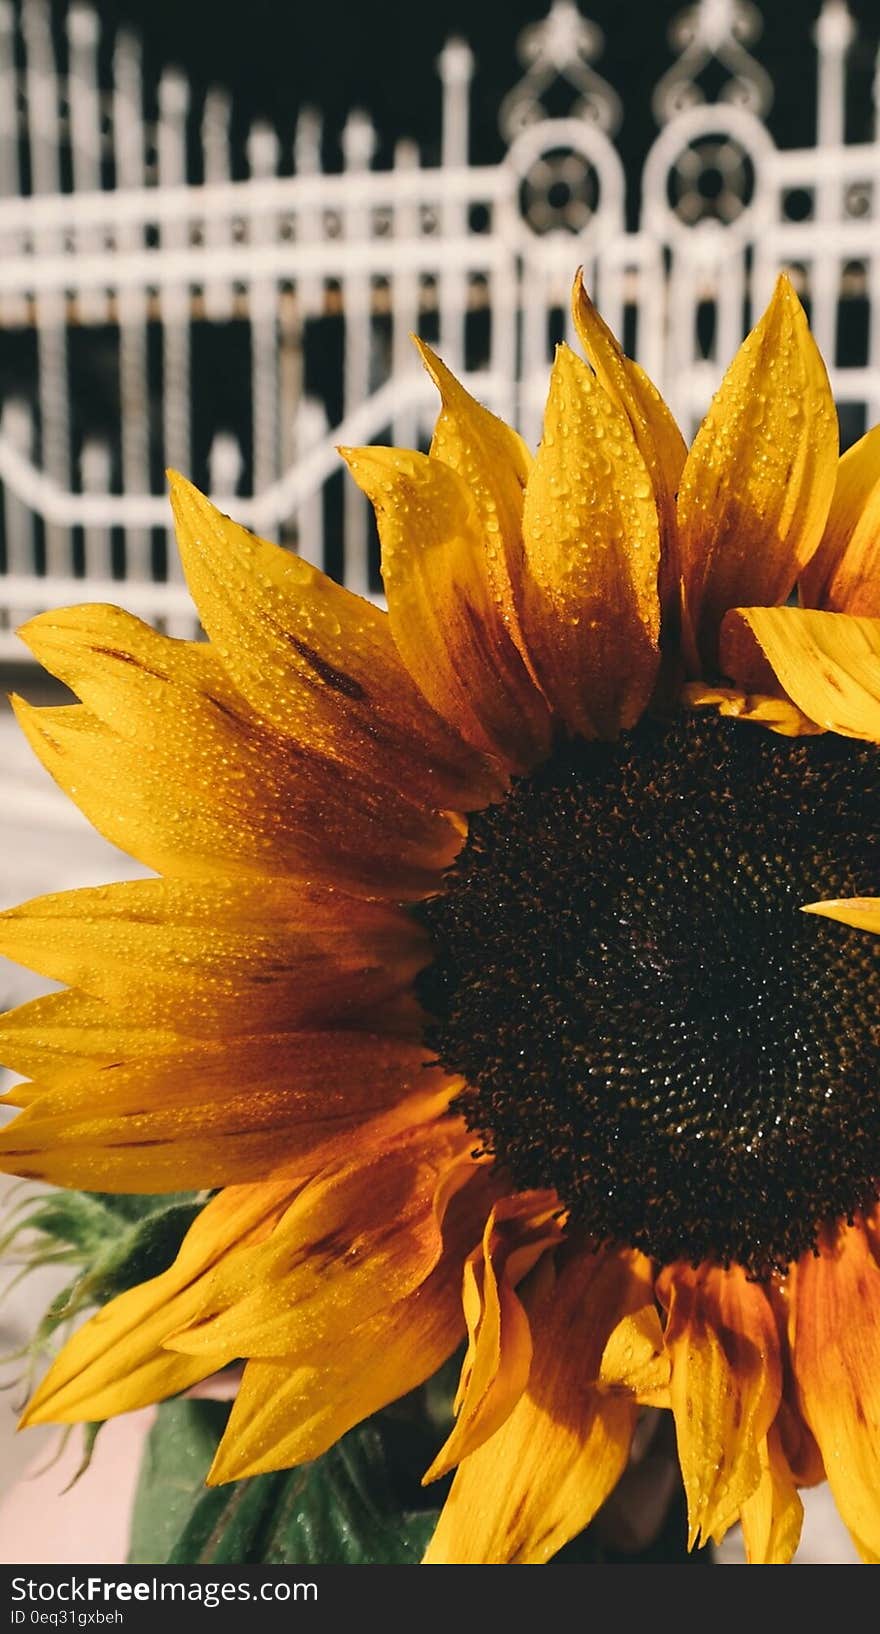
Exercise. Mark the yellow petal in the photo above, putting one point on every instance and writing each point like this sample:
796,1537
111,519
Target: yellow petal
193,808
362,1235
116,1362
762,709
206,958
725,1388
658,438
772,1517
494,462
758,480
319,662
496,1368
635,1360
171,762
445,617
55,1037
216,1113
862,912
590,614
844,574
828,663
835,1339
288,1412
541,1477
870,1557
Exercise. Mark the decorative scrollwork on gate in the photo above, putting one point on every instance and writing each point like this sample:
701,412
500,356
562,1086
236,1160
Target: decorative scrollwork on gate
714,31
561,48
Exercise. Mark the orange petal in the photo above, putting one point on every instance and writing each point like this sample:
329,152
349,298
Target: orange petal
360,1236
844,574
289,1411
796,1439
772,1517
828,663
762,709
445,617
542,1476
116,1362
835,1341
206,958
496,1368
862,912
319,662
658,438
757,484
725,1388
216,1113
591,615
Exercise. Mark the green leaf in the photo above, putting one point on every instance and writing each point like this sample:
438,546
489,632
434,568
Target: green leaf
176,1460
343,1509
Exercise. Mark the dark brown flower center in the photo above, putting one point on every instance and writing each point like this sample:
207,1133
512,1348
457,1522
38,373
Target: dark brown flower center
646,1020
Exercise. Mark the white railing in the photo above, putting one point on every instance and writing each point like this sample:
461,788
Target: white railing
178,277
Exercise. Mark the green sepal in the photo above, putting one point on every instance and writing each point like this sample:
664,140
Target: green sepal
91,1431
112,1243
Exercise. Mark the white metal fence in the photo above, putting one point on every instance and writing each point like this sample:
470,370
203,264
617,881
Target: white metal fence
113,230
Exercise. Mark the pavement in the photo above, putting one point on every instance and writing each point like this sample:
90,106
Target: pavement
46,845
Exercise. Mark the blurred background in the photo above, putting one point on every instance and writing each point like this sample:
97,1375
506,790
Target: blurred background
218,228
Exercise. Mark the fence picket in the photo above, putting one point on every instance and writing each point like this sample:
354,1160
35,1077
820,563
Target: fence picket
311,430
96,464
42,99
131,302
404,300
174,300
219,292
358,146
13,307
263,155
456,64
17,429
83,33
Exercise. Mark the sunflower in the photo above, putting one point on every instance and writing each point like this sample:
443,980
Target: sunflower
510,969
